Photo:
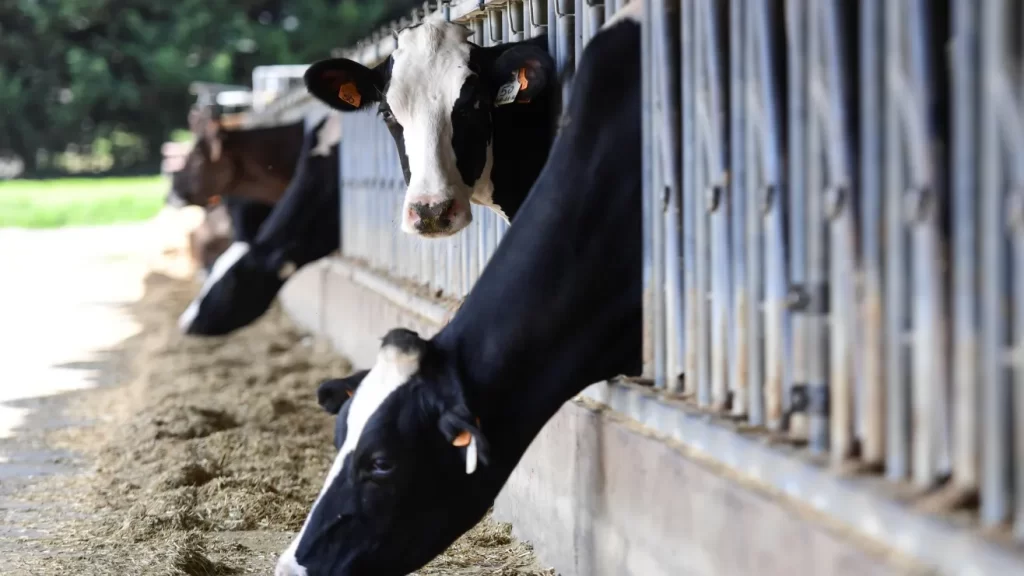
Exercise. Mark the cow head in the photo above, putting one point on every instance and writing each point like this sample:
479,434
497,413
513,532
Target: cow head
207,172
401,488
436,94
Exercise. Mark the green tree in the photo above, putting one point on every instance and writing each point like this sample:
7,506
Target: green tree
112,76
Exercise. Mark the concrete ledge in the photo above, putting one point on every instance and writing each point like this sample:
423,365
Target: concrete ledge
597,496
667,491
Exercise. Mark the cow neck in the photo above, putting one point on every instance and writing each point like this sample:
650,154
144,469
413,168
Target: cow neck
521,141
560,305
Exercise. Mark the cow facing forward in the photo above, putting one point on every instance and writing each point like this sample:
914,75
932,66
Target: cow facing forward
471,124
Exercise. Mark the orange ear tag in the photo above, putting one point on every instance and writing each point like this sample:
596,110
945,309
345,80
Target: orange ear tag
349,93
213,201
349,392
462,440
523,83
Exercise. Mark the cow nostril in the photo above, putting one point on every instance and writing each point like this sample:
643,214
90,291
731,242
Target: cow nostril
446,209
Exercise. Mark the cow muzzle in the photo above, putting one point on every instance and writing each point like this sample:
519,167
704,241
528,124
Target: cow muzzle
438,219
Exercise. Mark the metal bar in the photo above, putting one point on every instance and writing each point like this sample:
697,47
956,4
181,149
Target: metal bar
816,282
930,377
739,339
872,355
693,301
668,310
996,489
794,400
652,233
667,44
770,196
966,374
700,112
897,373
840,195
717,202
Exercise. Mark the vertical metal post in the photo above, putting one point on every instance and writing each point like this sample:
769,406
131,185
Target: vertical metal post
653,270
701,121
794,400
872,355
816,285
897,373
716,190
739,381
930,358
996,488
966,375
667,306
693,300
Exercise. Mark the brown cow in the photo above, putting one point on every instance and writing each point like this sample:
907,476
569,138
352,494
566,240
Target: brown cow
253,163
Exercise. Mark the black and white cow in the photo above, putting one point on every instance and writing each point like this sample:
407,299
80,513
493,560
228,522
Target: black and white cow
434,429
302,227
470,123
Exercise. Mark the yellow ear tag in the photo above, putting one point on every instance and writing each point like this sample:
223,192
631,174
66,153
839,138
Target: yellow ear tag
349,93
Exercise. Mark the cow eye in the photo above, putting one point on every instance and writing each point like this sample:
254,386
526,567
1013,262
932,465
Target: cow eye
381,467
387,115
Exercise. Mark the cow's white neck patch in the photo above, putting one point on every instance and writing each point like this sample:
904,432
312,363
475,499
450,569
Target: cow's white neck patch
224,262
483,192
392,370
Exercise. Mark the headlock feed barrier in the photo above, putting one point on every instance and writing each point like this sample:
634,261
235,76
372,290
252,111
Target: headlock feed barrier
833,243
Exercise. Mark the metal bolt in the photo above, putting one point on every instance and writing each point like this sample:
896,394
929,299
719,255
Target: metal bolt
713,197
916,205
767,198
1015,211
834,197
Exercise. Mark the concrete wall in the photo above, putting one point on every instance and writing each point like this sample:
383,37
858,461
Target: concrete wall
597,494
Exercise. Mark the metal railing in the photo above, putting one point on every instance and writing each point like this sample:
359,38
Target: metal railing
833,232
270,82
833,223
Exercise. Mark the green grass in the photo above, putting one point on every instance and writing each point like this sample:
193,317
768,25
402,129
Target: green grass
80,202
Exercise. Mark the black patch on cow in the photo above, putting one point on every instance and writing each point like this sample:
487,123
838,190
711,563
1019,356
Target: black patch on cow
471,129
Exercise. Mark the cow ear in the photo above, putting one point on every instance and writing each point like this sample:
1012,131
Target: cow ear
343,84
332,394
462,430
520,74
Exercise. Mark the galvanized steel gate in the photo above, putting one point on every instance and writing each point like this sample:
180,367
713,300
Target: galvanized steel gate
834,222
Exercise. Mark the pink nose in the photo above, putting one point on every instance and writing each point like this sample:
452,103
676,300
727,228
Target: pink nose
432,217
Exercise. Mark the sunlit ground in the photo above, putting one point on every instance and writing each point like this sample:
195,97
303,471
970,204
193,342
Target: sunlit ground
62,305
80,202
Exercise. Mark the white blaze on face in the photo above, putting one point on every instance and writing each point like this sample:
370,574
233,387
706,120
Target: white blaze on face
392,370
224,262
429,68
